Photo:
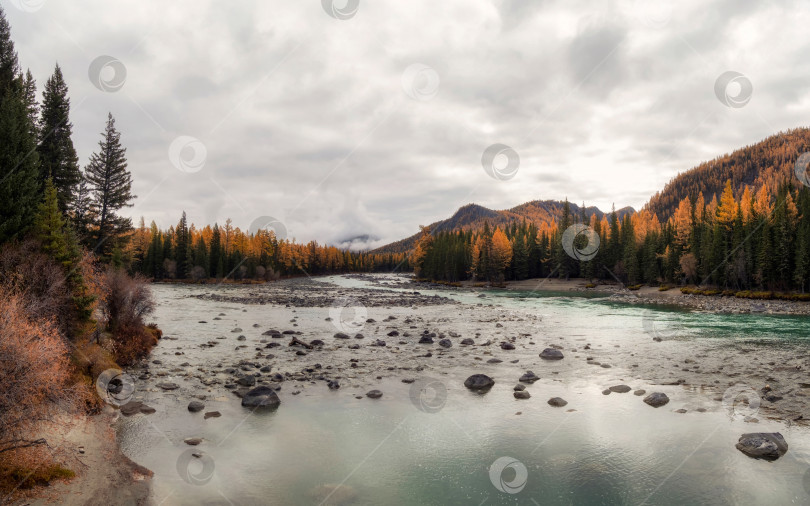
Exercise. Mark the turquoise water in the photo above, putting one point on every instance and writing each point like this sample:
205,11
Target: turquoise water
609,450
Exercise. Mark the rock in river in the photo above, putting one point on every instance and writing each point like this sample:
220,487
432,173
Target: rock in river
620,389
656,399
479,382
374,394
246,381
261,396
551,354
212,414
195,406
168,386
557,402
529,377
467,342
763,445
445,343
522,394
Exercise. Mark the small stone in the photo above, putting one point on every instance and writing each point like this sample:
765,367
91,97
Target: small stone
195,406
374,394
192,441
551,354
557,402
656,399
212,414
479,382
620,389
522,394
639,392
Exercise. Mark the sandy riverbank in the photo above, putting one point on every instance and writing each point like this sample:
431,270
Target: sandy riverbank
104,475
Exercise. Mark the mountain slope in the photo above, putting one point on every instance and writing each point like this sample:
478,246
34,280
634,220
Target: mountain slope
770,162
473,216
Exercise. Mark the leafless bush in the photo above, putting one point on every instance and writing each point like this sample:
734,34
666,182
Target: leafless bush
37,281
127,300
34,369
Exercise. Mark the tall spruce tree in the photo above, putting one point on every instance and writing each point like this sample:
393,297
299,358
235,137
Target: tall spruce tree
110,185
19,163
58,159
31,104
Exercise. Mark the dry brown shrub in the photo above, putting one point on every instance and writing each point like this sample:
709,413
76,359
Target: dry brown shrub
34,370
127,300
38,281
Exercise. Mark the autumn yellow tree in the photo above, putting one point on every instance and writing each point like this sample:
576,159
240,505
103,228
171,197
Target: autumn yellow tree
682,221
420,250
501,251
727,209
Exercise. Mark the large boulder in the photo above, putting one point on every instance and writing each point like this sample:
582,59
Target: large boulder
479,382
261,397
763,445
551,354
656,399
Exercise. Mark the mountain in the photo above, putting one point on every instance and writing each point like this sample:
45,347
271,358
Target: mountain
768,162
473,216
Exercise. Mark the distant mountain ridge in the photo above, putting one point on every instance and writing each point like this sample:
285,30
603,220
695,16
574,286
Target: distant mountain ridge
472,216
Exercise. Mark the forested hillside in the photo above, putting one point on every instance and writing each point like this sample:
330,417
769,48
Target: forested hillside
767,163
740,223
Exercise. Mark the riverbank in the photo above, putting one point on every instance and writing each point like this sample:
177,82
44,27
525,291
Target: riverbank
647,295
104,475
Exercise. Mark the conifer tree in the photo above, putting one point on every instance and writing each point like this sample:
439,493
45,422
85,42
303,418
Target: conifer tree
19,162
110,185
58,159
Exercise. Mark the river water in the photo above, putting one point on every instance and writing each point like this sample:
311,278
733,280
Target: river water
442,444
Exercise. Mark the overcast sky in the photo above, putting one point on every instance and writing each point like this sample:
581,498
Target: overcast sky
341,122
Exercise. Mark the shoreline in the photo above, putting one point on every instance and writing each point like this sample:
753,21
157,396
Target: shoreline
106,476
615,292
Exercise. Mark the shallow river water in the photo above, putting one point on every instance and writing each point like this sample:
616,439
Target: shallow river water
441,444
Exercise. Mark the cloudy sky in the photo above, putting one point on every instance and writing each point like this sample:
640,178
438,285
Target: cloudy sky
341,121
